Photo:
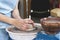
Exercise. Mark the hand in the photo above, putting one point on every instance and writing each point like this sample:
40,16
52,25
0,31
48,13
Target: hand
19,24
27,20
22,24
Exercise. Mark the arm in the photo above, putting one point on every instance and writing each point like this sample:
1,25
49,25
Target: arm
19,24
12,21
15,13
6,19
24,22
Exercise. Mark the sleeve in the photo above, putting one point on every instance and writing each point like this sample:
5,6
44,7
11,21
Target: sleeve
4,8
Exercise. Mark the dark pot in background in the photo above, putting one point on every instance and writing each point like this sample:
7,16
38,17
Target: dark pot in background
50,25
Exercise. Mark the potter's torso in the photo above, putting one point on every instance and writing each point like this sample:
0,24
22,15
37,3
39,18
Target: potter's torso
6,6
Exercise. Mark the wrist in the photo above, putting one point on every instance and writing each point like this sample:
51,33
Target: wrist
13,21
20,19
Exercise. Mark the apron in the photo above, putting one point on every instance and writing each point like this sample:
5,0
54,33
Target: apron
6,6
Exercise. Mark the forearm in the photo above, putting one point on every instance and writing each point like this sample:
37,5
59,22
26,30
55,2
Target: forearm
16,14
6,19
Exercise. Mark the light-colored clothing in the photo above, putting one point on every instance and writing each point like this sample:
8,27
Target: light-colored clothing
58,35
3,35
6,6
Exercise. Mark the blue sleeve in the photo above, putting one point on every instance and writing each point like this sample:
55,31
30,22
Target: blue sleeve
4,8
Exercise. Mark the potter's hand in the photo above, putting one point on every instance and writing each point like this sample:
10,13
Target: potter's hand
29,21
22,24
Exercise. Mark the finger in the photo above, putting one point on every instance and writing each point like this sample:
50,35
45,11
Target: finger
29,21
23,28
26,26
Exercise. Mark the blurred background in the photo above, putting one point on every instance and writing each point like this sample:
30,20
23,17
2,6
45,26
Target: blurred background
37,9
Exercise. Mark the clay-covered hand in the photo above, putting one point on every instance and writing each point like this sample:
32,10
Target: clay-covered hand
22,24
29,21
